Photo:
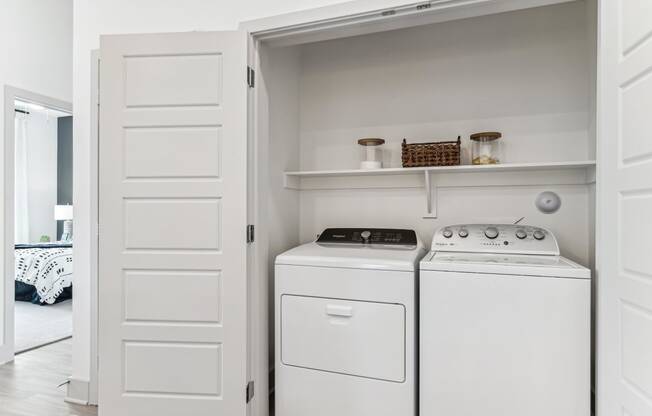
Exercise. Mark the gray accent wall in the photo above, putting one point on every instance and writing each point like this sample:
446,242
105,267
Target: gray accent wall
64,166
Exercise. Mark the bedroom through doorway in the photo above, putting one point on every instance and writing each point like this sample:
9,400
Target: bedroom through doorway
43,215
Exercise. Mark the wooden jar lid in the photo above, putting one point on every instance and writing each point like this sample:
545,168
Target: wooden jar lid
371,141
486,136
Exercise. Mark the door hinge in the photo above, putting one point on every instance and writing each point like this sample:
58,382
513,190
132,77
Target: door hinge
250,233
251,77
250,391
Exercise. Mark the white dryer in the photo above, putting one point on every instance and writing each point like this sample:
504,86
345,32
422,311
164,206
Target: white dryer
505,326
346,324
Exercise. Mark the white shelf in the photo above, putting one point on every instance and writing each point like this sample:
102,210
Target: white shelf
431,178
507,167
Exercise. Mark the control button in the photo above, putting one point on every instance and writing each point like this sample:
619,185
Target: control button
463,232
448,233
365,235
491,232
521,234
538,234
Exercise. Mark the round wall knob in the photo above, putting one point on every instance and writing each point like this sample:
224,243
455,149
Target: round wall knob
539,235
463,232
548,202
491,232
448,233
521,234
365,235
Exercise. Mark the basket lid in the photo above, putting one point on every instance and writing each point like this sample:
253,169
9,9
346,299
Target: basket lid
486,136
371,141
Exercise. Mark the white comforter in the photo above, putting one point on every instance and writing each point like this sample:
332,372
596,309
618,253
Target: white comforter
47,269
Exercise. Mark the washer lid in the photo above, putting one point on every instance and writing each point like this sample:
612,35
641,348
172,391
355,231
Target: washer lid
353,257
525,265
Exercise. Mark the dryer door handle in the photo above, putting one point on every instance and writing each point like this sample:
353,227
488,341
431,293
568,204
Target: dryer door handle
339,310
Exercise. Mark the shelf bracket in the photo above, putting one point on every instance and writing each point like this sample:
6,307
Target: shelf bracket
431,196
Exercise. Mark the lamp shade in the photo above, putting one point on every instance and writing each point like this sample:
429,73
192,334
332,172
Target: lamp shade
63,212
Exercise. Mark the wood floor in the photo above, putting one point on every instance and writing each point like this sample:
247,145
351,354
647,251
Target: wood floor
28,386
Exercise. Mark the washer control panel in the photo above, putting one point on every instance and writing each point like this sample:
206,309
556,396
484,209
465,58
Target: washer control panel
368,236
495,238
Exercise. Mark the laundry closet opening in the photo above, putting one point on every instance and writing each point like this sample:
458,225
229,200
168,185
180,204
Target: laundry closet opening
529,74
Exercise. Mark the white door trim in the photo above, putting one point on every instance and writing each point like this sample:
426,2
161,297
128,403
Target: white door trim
359,17
351,18
7,298
85,391
94,220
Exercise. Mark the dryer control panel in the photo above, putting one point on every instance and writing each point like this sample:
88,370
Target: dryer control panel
369,236
495,238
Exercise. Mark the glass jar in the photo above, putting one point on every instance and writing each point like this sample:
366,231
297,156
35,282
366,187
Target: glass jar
371,154
486,148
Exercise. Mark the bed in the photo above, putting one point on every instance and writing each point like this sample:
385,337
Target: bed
43,272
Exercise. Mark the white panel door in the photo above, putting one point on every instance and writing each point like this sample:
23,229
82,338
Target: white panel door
624,384
172,212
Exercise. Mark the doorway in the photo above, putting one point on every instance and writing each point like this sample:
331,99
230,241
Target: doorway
43,215
36,324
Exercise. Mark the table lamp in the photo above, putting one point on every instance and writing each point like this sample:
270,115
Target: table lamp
64,213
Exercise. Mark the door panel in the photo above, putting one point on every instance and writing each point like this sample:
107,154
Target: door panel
172,263
195,368
624,317
152,152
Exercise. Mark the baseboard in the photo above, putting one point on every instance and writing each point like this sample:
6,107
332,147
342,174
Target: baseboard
77,392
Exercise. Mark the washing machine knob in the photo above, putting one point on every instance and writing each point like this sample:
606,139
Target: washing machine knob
463,232
448,233
538,234
521,234
365,235
491,232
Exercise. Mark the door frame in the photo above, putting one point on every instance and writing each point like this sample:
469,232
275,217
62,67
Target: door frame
352,18
10,95
80,390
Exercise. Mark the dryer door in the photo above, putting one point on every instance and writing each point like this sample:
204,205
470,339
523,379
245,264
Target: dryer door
365,339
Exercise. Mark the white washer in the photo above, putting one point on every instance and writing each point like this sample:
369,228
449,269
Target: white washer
505,325
346,324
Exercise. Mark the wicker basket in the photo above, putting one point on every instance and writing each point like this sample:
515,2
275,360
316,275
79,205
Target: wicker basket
431,154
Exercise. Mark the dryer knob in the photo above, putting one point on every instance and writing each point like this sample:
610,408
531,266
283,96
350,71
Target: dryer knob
521,234
539,235
491,232
365,235
448,233
463,232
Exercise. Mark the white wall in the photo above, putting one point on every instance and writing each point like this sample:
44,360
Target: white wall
41,168
281,75
523,73
35,40
403,208
36,45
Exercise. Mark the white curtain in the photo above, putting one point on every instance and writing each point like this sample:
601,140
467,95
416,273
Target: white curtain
21,176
